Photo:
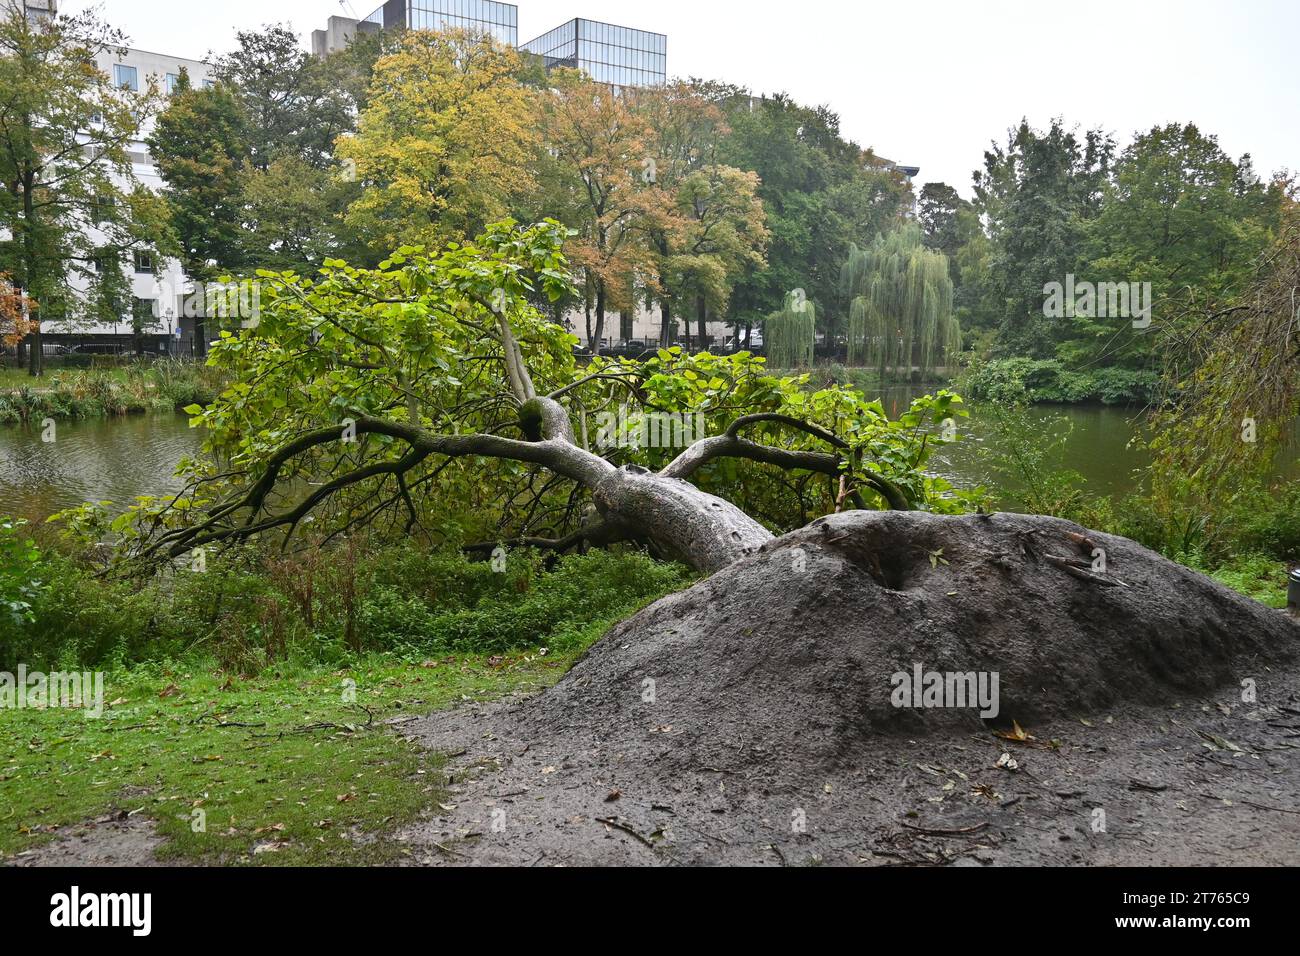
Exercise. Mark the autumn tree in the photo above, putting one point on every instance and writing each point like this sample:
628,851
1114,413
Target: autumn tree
705,223
14,310
445,142
594,171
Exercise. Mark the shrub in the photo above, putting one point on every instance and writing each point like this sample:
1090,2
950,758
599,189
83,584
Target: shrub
1047,380
247,610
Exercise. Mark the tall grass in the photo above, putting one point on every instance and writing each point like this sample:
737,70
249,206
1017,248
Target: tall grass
163,385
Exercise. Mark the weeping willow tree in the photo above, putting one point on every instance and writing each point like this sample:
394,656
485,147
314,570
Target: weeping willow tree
790,333
900,310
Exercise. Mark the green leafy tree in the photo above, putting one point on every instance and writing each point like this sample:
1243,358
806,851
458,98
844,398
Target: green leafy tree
429,395
1180,214
294,215
900,311
20,571
70,201
1038,193
295,102
1231,384
790,334
820,193
200,145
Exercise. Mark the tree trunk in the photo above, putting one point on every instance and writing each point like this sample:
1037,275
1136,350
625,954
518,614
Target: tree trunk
600,318
682,522
665,325
703,313
36,358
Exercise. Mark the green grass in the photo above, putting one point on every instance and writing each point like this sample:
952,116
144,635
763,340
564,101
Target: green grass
18,377
1257,576
318,781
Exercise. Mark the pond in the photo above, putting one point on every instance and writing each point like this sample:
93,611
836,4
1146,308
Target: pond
120,458
1097,446
112,459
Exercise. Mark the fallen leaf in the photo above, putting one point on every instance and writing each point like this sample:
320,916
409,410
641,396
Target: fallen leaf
1016,733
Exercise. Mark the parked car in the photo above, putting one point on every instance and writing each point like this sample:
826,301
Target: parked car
751,343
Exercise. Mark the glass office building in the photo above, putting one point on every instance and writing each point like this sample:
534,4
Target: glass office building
501,20
620,56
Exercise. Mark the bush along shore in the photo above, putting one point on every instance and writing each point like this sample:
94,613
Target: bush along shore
164,385
1048,381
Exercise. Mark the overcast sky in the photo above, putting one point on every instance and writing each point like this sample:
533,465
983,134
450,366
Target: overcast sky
928,83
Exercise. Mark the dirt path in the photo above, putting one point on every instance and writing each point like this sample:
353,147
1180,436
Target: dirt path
1142,788
1169,787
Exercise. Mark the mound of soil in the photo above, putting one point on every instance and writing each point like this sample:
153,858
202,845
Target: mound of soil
768,713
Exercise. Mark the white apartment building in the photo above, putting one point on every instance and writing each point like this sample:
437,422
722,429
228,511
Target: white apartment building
158,291
157,288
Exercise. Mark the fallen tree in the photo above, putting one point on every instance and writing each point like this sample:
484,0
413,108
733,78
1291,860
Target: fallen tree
430,394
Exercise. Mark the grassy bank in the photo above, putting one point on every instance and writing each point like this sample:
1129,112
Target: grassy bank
263,690
102,392
278,768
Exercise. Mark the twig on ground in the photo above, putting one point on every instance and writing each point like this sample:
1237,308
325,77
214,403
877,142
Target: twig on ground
614,822
932,832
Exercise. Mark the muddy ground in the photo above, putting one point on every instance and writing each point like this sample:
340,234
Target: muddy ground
1181,785
1146,715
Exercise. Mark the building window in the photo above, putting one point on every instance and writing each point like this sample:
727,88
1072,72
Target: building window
125,77
143,312
208,84
143,263
173,81
102,209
